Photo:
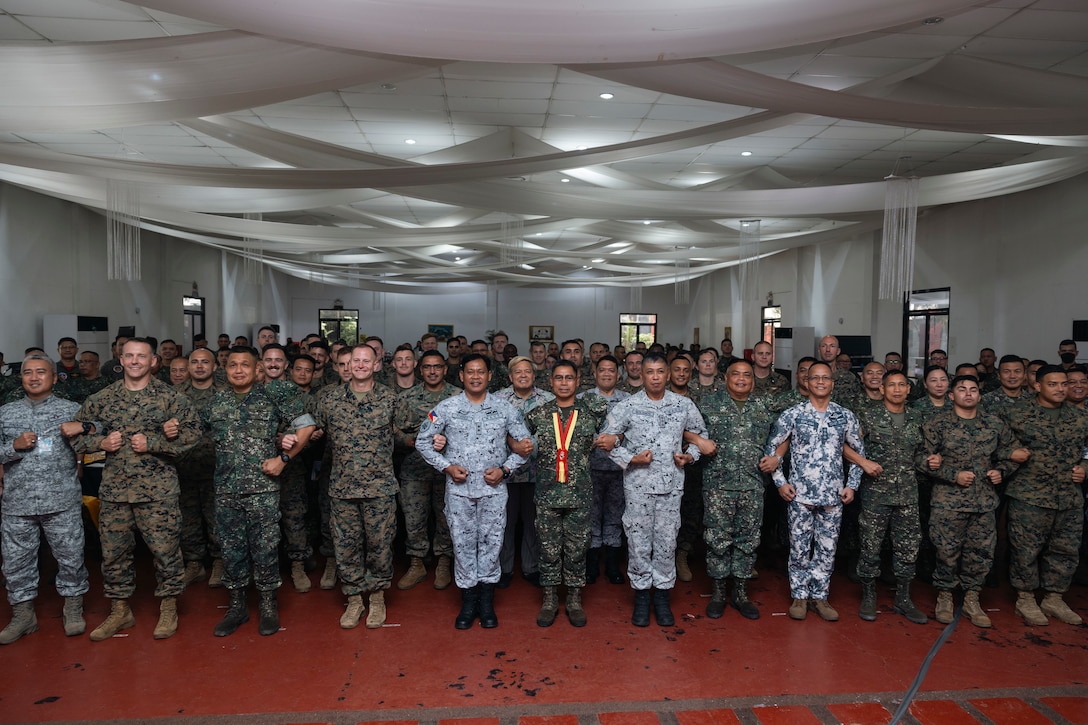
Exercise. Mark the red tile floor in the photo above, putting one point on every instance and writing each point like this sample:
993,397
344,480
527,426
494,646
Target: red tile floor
418,668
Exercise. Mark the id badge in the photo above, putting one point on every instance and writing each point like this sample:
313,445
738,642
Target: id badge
45,445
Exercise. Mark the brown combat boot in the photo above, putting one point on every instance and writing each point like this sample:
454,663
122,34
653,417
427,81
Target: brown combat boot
72,616
120,618
215,579
376,618
945,610
974,611
415,574
351,616
442,576
1028,609
23,621
1055,606
328,578
168,619
194,572
299,578
683,569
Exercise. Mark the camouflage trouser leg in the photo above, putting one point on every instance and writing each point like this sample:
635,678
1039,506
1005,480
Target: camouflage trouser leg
293,506
606,511
814,534
651,522
901,523
420,498
19,540
199,534
362,534
159,522
733,520
249,531
1045,544
691,509
520,505
564,538
325,503
476,527
965,544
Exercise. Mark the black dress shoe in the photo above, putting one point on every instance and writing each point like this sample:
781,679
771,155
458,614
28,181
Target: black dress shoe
504,580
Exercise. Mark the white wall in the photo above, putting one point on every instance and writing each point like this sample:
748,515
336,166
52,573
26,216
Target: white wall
1017,267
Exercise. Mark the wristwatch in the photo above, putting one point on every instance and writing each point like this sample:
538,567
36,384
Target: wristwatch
87,428
285,458
505,471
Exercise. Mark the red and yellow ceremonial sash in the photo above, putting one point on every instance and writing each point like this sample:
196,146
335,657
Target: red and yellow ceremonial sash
563,437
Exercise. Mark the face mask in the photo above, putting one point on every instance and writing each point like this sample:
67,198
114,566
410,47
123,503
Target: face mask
1068,357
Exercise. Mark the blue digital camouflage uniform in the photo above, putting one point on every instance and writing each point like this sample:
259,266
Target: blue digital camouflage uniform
422,489
816,473
606,510
41,496
961,524
139,490
562,506
196,473
362,488
476,512
246,498
1045,507
733,485
889,502
520,490
652,493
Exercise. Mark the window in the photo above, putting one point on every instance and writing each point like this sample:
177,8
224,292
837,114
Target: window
339,324
925,327
193,307
771,320
636,328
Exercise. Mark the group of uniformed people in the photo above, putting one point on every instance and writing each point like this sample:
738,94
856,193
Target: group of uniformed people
239,453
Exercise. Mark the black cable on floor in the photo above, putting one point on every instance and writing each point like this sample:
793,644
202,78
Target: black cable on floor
918,678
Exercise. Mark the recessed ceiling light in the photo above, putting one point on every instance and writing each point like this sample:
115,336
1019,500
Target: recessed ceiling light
646,221
745,153
456,259
409,141
565,180
608,96
598,260
935,20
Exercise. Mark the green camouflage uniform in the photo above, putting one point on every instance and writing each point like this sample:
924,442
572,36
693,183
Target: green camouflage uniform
1046,507
247,499
294,498
422,489
196,471
733,485
79,389
139,490
962,525
362,488
770,386
1002,404
889,502
562,509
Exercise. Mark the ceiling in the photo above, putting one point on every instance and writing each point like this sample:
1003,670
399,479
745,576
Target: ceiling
501,161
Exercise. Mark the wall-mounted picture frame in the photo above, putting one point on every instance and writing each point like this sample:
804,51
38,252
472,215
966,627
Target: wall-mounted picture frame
442,332
541,333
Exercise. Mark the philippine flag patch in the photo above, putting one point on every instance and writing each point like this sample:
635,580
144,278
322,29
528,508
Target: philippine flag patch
432,417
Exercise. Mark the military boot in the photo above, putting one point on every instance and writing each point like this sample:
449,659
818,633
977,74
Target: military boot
662,612
470,607
72,616
215,579
612,565
328,578
415,574
194,572
945,610
798,609
549,608
237,614
270,613
1055,606
824,609
867,611
167,625
299,578
1028,609
740,600
593,565
974,611
23,621
640,617
376,618
120,618
905,606
351,616
683,569
488,618
442,577
575,613
715,608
